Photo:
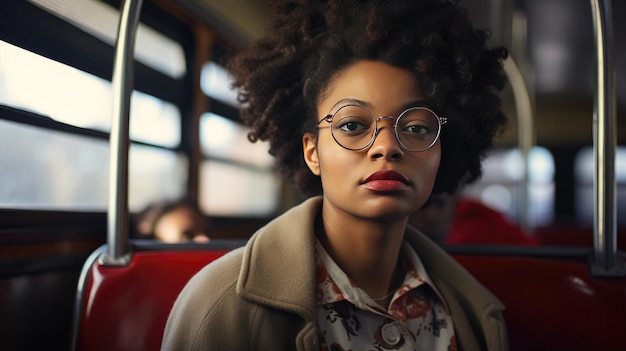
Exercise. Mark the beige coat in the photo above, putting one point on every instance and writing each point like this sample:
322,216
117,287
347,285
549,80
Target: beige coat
261,296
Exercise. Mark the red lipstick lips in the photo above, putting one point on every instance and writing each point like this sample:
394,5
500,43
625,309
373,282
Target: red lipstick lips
386,181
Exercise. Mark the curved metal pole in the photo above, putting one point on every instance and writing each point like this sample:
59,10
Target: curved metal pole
525,135
122,82
605,259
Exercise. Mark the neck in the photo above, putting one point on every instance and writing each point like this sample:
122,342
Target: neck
367,251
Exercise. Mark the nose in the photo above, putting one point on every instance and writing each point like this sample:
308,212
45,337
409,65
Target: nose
386,145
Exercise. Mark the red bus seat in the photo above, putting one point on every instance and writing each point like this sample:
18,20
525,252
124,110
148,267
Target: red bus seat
553,302
126,307
569,235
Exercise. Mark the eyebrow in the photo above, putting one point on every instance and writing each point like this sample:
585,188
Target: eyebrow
353,101
350,101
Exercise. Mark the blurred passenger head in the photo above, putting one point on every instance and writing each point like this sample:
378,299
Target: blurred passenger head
455,219
174,222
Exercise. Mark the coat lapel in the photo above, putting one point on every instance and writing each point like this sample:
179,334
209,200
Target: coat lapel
284,284
475,310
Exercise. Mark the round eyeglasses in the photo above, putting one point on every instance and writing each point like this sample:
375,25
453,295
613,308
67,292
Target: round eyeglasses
355,128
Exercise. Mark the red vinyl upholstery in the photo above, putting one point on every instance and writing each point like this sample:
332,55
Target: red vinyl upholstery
552,303
125,308
573,236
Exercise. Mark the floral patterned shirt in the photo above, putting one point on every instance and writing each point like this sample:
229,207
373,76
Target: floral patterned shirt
349,319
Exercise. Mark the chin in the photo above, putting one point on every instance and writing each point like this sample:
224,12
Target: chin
388,214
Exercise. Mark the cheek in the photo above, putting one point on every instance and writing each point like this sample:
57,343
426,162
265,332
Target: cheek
335,162
330,154
436,161
429,168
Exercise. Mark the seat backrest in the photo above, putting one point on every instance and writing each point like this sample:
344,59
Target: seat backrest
554,303
125,308
573,236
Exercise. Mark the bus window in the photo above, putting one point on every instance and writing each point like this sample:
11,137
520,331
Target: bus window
65,135
236,190
215,83
236,176
500,185
100,20
584,169
84,100
63,171
155,173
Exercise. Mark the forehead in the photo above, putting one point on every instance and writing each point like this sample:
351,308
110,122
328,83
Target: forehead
181,214
376,84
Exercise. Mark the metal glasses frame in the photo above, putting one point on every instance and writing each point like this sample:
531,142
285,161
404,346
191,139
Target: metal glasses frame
442,120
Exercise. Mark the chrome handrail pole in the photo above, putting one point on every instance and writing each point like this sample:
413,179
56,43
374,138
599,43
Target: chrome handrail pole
525,137
122,83
605,259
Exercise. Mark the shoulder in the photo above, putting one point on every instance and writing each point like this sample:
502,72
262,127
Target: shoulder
248,291
204,307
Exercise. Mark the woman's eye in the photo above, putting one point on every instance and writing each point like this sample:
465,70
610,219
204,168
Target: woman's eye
417,129
351,126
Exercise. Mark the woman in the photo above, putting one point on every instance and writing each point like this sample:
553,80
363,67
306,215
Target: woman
374,105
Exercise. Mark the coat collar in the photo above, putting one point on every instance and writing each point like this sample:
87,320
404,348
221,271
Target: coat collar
279,262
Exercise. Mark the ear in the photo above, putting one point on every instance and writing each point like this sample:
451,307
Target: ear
309,145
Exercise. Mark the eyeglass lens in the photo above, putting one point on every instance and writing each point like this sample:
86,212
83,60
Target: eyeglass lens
354,128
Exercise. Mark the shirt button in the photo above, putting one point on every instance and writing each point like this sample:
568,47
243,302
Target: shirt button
391,334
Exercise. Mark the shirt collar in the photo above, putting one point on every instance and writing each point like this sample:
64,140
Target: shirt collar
334,285
416,274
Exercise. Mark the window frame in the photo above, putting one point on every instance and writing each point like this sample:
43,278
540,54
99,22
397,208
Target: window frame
56,39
